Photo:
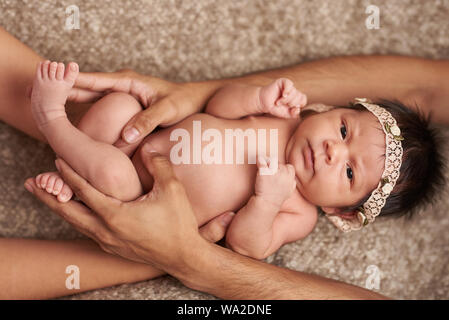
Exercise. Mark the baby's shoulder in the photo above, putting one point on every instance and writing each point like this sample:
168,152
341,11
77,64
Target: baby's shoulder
300,220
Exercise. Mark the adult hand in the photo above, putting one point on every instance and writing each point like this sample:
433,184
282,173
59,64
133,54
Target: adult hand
165,102
152,229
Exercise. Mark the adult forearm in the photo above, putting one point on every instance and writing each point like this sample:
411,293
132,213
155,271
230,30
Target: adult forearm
36,269
336,81
228,275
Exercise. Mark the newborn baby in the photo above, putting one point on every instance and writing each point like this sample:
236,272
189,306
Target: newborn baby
334,160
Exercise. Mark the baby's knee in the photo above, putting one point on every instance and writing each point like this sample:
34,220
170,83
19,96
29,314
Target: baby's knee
121,103
119,180
106,118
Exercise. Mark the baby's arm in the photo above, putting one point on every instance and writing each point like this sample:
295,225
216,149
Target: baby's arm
279,98
259,229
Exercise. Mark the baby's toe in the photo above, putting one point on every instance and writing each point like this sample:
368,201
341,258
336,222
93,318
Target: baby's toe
52,70
50,184
71,72
43,180
65,194
45,67
60,71
38,180
59,183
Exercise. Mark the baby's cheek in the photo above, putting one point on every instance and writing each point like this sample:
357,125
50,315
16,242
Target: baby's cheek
316,193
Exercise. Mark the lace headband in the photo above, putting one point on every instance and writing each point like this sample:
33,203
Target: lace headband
393,160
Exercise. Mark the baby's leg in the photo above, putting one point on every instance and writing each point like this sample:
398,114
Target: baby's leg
105,120
103,165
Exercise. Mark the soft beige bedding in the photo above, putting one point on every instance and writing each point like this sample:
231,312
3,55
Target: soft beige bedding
206,39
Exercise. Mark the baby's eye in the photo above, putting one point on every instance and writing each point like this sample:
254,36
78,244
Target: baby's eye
343,130
349,172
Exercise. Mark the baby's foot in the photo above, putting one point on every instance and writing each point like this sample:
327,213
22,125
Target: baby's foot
51,88
53,184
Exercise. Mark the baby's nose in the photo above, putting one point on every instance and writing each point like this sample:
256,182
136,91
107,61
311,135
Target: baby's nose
334,151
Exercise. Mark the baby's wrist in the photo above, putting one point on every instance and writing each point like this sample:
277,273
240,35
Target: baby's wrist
267,203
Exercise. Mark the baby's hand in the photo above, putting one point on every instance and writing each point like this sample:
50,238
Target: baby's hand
276,187
282,99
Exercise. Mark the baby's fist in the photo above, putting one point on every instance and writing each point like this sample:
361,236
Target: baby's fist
275,182
282,99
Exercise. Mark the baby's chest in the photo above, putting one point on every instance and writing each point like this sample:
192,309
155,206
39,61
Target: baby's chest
211,188
197,148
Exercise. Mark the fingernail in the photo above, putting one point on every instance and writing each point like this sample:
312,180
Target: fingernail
226,219
148,148
131,135
29,187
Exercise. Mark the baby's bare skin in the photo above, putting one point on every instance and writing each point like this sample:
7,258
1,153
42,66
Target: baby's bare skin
228,187
211,188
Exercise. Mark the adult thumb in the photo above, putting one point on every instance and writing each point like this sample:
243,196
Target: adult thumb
215,229
157,165
143,123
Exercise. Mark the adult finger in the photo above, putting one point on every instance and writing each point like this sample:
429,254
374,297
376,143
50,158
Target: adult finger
94,199
84,95
96,81
119,81
146,121
158,166
78,215
215,229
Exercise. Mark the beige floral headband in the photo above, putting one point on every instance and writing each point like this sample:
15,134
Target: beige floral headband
393,160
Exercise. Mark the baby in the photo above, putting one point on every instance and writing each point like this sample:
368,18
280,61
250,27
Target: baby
353,162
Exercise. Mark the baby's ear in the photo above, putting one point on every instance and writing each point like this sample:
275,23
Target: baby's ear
337,212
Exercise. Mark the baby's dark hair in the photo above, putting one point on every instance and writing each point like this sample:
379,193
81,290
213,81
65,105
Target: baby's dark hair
423,165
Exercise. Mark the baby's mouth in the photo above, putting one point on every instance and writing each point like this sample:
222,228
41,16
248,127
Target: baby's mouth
313,157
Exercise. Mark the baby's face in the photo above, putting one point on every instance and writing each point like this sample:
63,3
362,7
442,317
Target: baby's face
346,160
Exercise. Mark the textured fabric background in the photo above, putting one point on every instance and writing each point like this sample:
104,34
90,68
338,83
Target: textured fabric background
205,39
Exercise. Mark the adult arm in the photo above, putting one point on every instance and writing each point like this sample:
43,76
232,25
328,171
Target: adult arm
228,275
36,269
160,228
332,81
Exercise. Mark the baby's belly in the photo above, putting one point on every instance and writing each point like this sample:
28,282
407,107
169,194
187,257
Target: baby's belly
211,188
